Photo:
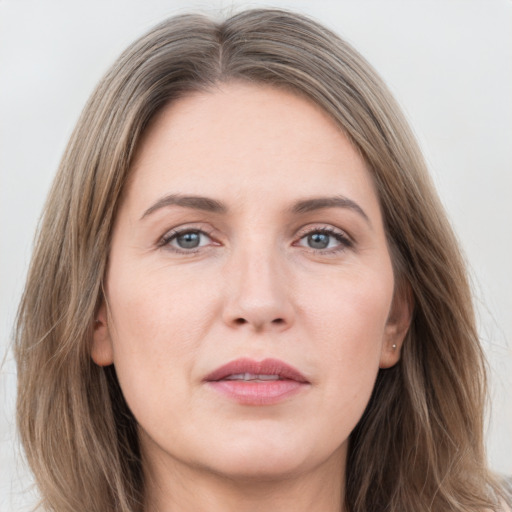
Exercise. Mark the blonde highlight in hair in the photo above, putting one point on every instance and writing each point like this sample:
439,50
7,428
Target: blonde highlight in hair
419,446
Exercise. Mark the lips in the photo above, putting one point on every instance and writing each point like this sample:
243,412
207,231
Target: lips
252,382
267,367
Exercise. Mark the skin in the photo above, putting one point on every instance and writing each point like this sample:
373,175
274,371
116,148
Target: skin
256,287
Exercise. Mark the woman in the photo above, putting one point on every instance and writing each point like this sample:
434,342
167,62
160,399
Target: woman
245,294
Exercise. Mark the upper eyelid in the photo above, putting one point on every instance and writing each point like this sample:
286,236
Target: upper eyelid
320,227
176,233
326,227
173,233
199,227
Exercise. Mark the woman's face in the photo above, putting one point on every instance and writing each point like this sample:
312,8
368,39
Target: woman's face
249,287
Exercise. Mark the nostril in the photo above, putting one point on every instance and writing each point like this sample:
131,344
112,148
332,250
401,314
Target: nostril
258,323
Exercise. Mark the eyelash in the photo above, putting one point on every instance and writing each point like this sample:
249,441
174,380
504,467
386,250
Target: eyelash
344,241
165,241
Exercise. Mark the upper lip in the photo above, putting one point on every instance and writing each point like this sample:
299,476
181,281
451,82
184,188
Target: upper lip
265,367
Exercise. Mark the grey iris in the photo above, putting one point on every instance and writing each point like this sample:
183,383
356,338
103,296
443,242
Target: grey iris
318,240
188,240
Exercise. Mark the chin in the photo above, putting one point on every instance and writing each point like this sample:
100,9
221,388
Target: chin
264,458
260,469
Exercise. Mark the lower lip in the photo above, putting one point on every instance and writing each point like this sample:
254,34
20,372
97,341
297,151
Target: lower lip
258,393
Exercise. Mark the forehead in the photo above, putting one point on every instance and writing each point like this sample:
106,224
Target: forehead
242,137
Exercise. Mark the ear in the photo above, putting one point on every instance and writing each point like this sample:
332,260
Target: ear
101,351
397,325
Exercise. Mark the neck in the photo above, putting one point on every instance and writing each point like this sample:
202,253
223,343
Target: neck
174,487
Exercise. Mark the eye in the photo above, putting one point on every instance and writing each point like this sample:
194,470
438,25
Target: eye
325,239
186,240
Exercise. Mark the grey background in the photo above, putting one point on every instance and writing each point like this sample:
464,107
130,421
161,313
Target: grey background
449,63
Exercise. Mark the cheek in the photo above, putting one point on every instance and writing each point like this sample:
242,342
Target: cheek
158,319
350,307
348,323
152,306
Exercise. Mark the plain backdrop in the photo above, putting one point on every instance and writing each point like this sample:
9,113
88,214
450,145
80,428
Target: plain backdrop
448,62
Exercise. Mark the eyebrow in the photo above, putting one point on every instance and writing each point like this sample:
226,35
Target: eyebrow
208,204
319,203
195,202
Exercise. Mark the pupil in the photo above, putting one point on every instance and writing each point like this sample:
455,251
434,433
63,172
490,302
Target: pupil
318,240
188,240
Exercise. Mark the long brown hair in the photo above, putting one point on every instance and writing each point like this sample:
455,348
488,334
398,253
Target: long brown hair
419,445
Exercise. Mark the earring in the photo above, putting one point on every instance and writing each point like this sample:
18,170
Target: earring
393,346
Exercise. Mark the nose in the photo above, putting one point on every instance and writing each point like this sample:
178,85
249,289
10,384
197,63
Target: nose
257,293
